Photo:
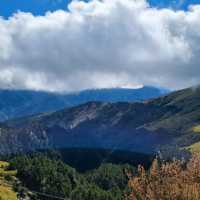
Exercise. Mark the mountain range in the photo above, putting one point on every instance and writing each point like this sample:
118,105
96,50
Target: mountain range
135,126
19,103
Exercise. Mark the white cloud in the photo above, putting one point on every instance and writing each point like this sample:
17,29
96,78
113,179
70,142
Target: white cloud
104,43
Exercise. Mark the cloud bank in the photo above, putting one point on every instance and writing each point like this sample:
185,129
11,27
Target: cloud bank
108,43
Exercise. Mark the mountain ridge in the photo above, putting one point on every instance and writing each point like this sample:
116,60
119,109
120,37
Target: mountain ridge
140,127
19,103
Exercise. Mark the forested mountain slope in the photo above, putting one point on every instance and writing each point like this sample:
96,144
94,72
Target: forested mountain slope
141,127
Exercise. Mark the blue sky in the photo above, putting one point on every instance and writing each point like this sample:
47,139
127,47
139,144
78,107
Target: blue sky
39,7
175,4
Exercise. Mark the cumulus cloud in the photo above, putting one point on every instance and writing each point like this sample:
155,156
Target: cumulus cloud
101,43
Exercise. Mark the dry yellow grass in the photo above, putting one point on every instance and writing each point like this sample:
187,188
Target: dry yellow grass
3,164
6,191
194,148
196,129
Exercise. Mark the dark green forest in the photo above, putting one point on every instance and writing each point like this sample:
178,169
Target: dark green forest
89,174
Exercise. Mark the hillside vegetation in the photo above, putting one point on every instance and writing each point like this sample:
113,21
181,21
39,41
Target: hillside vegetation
167,180
195,147
139,127
196,129
7,182
47,177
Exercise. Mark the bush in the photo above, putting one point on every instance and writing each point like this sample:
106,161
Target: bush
166,181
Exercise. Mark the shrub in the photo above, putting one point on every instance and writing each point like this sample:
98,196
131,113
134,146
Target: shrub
167,181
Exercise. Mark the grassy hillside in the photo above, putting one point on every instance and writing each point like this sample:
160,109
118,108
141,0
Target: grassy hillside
194,148
6,182
196,129
181,110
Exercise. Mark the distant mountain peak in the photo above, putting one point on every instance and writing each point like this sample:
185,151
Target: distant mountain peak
19,103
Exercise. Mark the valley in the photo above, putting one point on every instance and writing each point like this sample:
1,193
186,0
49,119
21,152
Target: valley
88,151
